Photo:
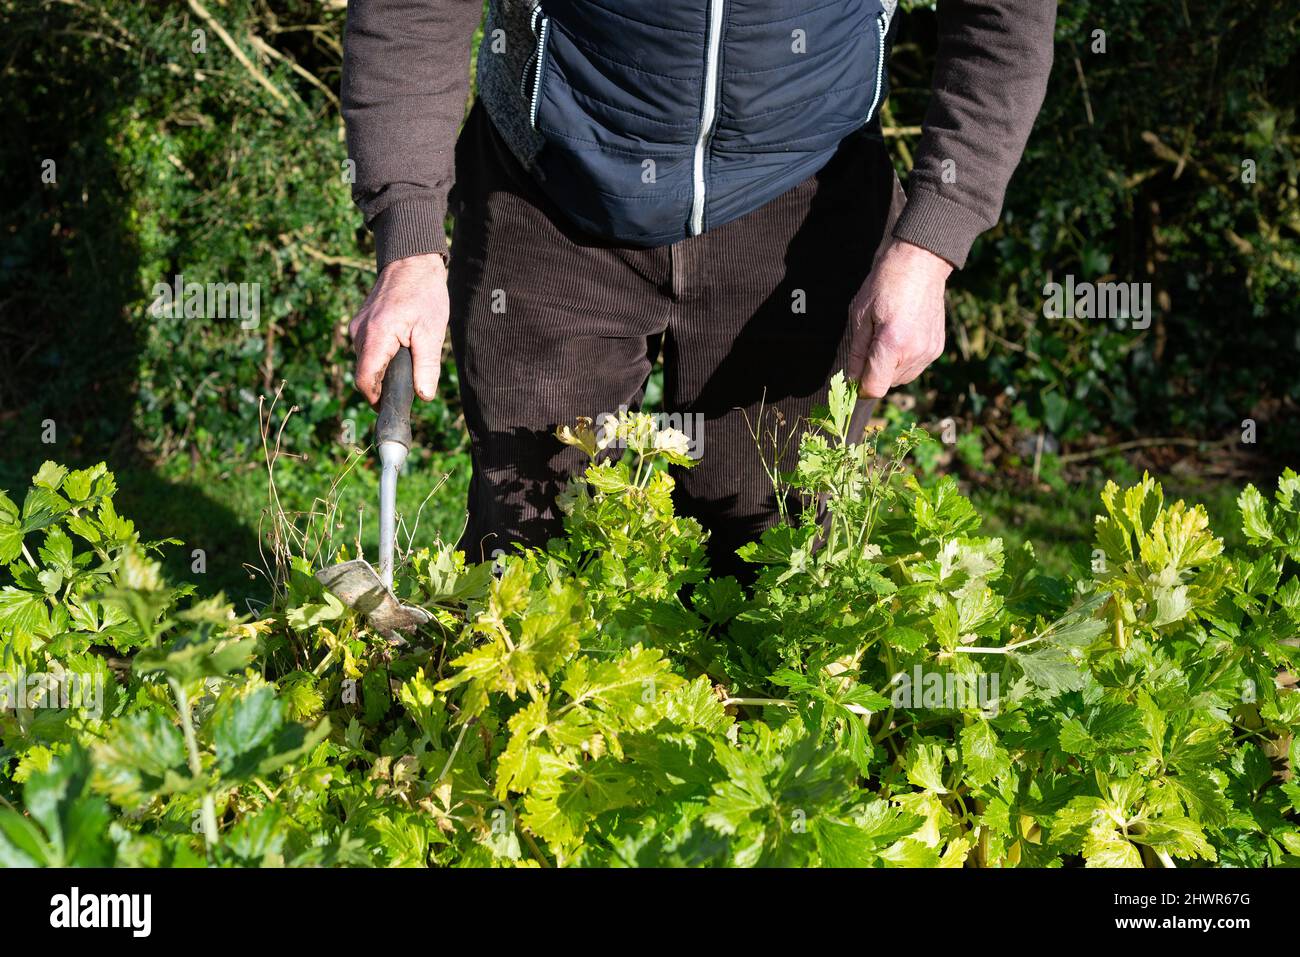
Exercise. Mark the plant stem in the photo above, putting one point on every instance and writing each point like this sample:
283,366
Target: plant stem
455,748
536,851
207,808
324,663
758,701
1004,649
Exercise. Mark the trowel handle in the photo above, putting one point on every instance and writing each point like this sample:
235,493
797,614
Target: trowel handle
395,400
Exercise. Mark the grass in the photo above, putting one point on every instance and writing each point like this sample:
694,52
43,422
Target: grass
222,515
220,512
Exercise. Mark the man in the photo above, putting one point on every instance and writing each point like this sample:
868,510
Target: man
699,178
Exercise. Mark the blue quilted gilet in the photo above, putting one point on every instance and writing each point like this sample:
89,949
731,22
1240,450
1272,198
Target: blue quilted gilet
654,120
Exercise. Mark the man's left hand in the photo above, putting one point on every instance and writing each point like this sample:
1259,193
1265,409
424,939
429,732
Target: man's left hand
898,318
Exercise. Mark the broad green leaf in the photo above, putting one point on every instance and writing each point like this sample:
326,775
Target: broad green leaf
49,476
1050,670
243,724
1254,516
925,767
23,613
842,844
1106,847
196,657
74,821
21,842
42,508
11,532
982,754
143,756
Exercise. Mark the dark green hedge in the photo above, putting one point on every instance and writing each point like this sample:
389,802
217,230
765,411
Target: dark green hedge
173,161
1135,173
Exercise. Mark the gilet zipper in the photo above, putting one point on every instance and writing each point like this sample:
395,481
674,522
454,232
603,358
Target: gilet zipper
882,26
541,26
708,112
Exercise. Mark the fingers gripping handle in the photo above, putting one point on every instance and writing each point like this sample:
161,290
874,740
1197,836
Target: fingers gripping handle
395,400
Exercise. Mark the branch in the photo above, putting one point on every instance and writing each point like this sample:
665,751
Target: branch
202,13
329,260
1128,446
266,48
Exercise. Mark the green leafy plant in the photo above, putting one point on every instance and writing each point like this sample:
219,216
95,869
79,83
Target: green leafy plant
892,689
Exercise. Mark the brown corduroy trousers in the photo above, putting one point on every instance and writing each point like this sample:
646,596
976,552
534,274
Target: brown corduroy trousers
549,323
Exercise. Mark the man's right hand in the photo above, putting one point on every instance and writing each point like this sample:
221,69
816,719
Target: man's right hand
407,306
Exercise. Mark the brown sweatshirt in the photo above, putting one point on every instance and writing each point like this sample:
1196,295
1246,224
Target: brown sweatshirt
406,82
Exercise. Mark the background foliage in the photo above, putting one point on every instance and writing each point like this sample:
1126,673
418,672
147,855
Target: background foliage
171,161
1134,174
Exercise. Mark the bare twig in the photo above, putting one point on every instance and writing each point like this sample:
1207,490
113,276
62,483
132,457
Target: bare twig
1128,446
329,260
1083,85
263,47
202,12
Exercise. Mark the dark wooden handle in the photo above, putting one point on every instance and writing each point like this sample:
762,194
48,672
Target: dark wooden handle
395,400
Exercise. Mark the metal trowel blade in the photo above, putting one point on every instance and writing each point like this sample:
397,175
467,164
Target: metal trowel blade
358,586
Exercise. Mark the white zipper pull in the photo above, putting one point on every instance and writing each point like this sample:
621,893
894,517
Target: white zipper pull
891,7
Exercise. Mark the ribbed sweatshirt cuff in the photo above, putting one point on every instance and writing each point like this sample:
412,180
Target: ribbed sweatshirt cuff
934,222
410,228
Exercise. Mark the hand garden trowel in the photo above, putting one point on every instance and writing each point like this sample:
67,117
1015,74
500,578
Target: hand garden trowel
356,583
